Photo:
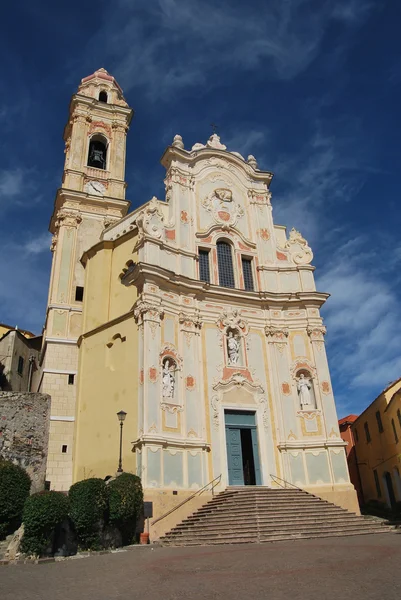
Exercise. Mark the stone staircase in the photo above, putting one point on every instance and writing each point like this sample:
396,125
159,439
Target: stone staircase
260,514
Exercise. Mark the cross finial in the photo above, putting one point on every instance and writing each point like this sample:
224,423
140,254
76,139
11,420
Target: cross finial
214,127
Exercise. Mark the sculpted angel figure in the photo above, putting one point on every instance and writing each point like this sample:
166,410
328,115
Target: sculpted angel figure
168,380
233,349
304,386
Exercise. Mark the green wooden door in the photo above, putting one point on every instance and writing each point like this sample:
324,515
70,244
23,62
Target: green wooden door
234,456
256,461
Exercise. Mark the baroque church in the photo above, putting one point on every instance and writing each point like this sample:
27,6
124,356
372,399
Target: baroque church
195,314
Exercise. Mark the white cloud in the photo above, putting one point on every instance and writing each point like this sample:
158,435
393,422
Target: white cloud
38,244
171,45
11,183
363,318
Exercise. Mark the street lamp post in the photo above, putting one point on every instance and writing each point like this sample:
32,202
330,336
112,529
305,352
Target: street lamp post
121,417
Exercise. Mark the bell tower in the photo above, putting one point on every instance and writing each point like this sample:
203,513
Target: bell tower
91,198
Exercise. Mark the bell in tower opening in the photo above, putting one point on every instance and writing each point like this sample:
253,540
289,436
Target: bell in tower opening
97,152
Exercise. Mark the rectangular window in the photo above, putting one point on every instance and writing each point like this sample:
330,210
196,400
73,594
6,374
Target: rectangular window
20,368
225,264
247,272
71,378
79,293
379,421
377,483
204,267
394,431
64,449
367,432
356,434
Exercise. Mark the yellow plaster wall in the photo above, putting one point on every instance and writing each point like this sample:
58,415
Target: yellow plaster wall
382,453
105,296
107,383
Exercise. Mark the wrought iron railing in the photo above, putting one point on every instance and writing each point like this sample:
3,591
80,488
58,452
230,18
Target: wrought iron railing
212,483
280,482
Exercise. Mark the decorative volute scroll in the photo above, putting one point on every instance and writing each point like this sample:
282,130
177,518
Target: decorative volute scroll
150,221
67,218
232,319
259,197
222,207
190,321
146,311
298,248
316,333
277,334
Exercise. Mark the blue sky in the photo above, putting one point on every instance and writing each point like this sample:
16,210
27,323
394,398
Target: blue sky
311,88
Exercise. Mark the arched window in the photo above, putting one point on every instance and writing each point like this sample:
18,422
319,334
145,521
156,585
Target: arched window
97,152
103,97
225,263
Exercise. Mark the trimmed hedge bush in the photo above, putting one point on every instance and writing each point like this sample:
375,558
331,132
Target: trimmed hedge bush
43,512
15,484
125,504
88,511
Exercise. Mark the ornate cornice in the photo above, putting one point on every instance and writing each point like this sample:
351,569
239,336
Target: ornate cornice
147,311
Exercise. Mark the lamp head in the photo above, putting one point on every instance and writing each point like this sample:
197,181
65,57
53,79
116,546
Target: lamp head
121,415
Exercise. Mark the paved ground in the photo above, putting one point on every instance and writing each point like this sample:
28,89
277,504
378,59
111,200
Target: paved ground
361,567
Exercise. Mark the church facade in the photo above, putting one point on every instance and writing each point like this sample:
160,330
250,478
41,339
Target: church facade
195,314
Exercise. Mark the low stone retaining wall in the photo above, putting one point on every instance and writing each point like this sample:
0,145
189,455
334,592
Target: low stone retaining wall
24,432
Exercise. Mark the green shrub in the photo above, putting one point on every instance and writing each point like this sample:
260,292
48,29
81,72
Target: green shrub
88,511
43,512
125,504
15,484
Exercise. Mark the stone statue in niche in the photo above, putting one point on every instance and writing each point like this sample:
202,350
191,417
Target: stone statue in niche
304,387
232,348
168,380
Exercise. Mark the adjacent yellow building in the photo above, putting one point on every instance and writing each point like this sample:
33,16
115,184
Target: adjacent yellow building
377,436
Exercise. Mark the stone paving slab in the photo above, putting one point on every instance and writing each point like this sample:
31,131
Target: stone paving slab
357,568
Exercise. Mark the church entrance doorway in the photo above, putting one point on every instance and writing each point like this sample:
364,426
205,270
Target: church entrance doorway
242,448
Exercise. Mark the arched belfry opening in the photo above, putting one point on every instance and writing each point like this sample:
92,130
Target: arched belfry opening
103,97
97,156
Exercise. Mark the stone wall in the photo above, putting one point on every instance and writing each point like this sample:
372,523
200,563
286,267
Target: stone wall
24,432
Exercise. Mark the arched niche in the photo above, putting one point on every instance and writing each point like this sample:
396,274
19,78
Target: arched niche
97,154
305,389
103,96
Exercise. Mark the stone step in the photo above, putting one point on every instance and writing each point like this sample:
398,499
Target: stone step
287,510
262,504
265,523
255,515
235,529
232,514
251,533
278,538
243,518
